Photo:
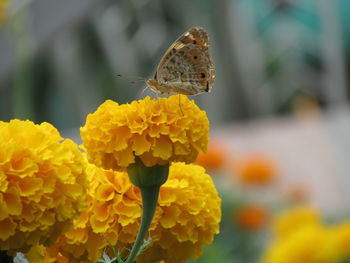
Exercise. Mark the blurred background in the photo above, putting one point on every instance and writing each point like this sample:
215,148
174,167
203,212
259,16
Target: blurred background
281,91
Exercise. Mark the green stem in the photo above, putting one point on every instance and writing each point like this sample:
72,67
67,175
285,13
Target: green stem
149,204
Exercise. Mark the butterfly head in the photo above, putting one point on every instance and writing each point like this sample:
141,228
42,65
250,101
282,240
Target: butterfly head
152,83
155,85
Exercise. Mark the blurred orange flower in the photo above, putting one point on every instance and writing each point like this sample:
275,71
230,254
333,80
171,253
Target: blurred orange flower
214,158
257,169
251,217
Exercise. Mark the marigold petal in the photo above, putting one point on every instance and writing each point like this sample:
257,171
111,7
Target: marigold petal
97,225
169,217
141,144
105,192
13,202
28,186
22,164
162,148
47,218
77,235
3,208
3,181
7,228
125,157
102,211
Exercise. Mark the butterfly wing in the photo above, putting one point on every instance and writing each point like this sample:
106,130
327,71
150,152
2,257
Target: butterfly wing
188,63
195,35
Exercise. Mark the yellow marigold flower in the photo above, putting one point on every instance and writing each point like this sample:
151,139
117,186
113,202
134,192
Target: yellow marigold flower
290,220
42,184
186,218
308,239
307,244
158,131
341,239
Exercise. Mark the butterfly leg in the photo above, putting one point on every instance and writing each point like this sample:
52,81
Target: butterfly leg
157,95
142,94
180,105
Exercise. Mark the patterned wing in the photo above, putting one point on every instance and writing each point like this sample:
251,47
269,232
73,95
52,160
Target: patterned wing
195,35
189,62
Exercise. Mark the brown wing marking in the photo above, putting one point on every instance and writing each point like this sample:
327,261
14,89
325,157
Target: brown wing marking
195,35
190,65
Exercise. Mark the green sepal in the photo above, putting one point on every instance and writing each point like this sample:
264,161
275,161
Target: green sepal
144,176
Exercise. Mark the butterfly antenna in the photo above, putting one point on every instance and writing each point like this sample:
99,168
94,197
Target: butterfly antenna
132,79
157,95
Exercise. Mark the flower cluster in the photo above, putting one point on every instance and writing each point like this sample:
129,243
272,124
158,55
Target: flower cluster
157,131
186,218
308,239
42,182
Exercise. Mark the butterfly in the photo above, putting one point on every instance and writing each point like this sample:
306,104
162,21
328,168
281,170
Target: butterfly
186,67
